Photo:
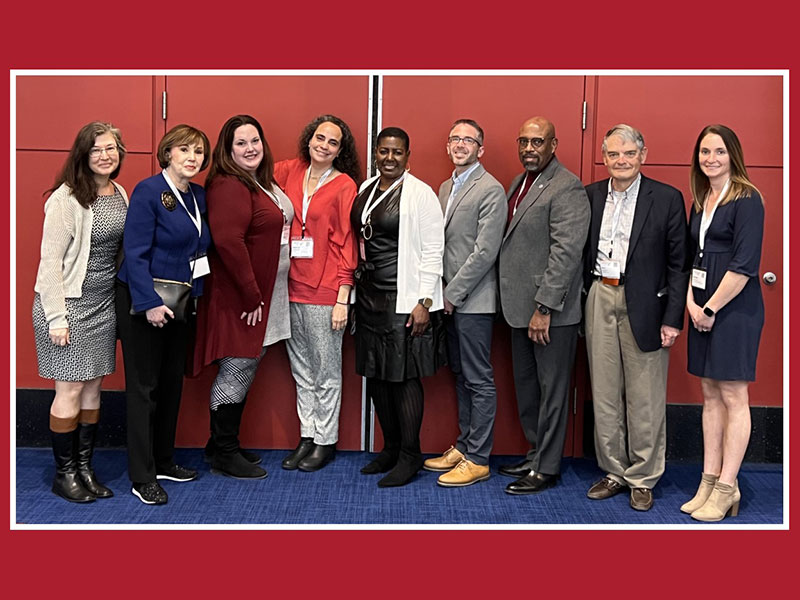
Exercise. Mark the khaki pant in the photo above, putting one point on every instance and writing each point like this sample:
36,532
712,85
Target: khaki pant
629,389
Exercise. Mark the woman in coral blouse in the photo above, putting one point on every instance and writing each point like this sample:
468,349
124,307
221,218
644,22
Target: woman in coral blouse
245,307
321,183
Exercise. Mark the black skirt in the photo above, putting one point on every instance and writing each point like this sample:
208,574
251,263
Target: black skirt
385,348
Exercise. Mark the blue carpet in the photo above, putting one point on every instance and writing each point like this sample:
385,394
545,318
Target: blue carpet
339,494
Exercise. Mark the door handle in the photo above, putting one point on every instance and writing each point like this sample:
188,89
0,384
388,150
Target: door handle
770,278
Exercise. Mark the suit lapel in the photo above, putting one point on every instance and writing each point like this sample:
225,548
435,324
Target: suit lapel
644,203
534,193
468,185
598,201
445,193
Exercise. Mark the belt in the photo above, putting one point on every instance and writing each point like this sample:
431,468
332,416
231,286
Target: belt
608,281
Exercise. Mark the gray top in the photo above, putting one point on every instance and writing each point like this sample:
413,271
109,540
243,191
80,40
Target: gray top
278,327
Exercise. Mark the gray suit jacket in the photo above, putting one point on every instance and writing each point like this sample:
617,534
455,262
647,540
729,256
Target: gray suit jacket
540,258
473,231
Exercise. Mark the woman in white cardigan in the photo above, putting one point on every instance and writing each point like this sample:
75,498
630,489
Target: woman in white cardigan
73,309
399,332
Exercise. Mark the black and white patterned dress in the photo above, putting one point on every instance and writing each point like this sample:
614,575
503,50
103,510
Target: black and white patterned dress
92,320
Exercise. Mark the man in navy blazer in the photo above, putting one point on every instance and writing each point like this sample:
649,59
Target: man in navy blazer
635,273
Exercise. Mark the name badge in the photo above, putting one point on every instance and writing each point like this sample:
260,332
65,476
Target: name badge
302,247
610,269
200,267
285,234
699,278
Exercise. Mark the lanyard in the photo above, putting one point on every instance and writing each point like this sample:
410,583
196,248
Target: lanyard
198,223
275,200
705,222
366,213
307,197
522,187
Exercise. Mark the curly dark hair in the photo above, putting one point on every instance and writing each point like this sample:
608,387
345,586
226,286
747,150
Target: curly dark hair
347,160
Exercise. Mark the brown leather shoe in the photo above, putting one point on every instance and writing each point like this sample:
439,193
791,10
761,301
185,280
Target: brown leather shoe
445,462
641,498
465,473
605,488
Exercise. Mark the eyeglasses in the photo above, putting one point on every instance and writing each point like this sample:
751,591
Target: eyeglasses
535,142
96,152
454,139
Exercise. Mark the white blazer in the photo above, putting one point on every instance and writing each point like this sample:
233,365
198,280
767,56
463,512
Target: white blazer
420,245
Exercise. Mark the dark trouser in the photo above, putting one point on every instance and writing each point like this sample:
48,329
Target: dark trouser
154,361
469,345
541,378
399,406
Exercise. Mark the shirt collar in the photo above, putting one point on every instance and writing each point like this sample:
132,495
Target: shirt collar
461,179
632,189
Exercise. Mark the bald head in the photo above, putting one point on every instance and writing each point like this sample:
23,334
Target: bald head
537,143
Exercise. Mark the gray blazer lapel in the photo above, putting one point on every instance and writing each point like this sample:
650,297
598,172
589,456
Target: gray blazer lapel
533,194
471,181
445,194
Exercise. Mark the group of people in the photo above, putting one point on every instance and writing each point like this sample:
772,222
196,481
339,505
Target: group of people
293,250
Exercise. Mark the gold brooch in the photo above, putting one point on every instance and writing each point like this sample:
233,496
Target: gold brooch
168,200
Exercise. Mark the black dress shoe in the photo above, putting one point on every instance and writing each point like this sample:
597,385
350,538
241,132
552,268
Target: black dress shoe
305,446
516,471
320,456
532,483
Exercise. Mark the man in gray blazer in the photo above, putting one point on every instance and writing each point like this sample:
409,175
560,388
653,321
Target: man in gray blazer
474,207
540,286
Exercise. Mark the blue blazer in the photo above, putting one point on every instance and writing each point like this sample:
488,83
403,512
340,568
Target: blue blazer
159,242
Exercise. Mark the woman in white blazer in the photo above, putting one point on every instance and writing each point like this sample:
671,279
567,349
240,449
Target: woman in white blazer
399,333
73,309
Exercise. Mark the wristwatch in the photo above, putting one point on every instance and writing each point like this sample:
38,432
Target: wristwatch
543,309
708,312
426,302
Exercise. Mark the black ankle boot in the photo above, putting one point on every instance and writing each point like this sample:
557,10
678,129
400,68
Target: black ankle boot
86,434
67,484
305,446
211,449
407,466
385,461
227,460
319,456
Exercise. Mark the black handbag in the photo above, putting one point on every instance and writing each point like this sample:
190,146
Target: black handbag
176,296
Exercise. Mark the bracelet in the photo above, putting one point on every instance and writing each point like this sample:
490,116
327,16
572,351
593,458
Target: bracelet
343,303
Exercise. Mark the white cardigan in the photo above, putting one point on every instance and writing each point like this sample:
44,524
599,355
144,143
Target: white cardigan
66,239
420,245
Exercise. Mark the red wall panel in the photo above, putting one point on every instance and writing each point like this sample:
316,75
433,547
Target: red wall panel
51,110
671,112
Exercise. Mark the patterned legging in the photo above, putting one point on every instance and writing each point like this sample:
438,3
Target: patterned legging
234,379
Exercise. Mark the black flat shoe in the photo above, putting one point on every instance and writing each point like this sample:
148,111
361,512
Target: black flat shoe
532,483
305,446
320,456
211,449
517,470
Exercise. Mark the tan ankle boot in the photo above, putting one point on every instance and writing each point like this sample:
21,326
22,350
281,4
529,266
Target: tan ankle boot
703,492
723,502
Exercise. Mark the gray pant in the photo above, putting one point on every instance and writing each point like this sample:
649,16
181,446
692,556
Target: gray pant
469,345
541,378
315,355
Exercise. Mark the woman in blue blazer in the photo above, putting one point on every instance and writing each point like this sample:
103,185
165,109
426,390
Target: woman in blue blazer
165,237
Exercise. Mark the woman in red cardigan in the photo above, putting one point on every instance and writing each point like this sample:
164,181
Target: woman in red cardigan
322,186
249,222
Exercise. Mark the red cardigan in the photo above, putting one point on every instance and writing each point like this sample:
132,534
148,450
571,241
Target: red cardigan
317,280
246,231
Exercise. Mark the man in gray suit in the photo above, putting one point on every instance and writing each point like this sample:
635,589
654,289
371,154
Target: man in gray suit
540,286
474,207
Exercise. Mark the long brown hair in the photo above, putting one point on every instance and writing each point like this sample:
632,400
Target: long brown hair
76,172
740,186
222,162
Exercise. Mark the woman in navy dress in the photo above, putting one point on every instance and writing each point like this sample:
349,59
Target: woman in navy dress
727,312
